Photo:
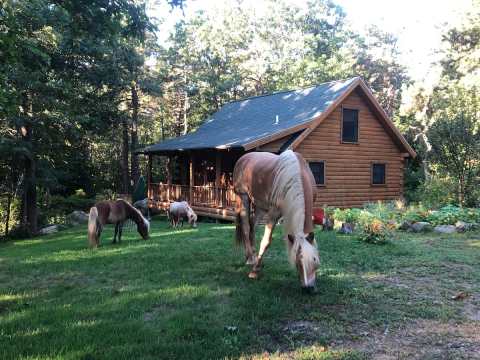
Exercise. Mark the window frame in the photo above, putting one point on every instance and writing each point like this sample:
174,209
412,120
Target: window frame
385,173
324,172
343,108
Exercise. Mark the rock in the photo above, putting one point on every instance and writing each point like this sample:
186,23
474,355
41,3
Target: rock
49,230
77,217
347,228
405,225
445,229
141,205
421,226
463,226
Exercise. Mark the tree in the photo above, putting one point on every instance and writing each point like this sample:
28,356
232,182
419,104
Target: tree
455,140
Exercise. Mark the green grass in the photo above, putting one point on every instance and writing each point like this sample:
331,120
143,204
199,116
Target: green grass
185,294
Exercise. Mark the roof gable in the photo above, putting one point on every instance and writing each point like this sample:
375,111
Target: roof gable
377,109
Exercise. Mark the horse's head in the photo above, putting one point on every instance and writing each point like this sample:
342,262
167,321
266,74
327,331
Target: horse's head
303,254
192,217
143,228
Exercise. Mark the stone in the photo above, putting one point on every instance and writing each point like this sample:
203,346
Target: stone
445,229
405,225
347,228
77,217
421,226
49,230
141,205
463,226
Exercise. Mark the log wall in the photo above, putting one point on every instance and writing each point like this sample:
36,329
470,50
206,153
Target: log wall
348,166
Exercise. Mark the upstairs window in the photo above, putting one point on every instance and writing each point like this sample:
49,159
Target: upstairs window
318,171
350,126
378,174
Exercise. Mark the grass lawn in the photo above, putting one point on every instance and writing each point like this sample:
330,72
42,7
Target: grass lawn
185,294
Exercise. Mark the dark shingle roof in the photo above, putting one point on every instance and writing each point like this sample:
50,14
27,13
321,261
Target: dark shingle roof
243,122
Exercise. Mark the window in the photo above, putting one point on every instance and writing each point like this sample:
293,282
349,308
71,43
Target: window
378,174
318,171
350,126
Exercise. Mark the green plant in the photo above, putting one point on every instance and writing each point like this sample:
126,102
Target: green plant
350,216
374,232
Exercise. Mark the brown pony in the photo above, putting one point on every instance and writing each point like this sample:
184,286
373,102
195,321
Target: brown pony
275,186
114,212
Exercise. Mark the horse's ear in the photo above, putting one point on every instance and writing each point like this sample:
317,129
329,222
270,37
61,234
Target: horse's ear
311,237
291,238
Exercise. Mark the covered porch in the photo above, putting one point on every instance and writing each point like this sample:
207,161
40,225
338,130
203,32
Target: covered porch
203,178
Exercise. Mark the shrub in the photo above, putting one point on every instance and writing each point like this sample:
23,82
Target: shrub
350,216
449,215
374,231
436,192
57,207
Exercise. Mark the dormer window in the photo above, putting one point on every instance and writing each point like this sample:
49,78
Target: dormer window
349,125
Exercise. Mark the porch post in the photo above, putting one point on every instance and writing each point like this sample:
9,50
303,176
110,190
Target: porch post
218,174
192,178
169,177
149,177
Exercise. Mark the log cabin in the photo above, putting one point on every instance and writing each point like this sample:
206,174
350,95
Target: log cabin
354,150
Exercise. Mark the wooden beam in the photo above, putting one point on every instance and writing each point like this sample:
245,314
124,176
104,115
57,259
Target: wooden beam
218,168
149,177
192,178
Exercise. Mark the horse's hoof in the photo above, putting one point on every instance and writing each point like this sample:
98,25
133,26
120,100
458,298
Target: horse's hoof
253,275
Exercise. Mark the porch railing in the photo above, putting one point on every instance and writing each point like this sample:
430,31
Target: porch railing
207,196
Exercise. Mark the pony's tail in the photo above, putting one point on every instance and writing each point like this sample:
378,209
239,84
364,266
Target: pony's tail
239,233
93,227
239,237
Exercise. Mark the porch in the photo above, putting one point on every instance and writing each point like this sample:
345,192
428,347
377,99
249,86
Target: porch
202,178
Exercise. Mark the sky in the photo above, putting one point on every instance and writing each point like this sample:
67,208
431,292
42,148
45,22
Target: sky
418,25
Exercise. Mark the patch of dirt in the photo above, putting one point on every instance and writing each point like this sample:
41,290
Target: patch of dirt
419,340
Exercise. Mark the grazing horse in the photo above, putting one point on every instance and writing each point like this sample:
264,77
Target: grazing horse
275,186
178,211
114,212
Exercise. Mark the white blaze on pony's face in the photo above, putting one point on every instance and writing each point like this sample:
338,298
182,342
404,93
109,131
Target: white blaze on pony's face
304,255
192,217
144,228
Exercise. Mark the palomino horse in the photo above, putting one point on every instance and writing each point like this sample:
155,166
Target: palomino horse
180,210
114,212
276,186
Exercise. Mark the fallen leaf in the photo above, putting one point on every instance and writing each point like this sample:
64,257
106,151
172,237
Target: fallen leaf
460,296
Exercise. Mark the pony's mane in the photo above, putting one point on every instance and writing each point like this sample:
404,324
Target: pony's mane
287,192
136,214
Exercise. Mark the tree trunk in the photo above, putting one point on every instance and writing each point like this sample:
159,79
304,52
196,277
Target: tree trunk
30,215
124,160
7,221
134,136
31,196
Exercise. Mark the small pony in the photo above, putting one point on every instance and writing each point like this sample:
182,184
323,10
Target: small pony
114,212
277,186
178,211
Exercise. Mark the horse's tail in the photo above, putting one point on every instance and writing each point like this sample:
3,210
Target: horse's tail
239,233
93,227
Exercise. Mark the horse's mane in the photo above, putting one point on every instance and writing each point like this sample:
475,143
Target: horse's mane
288,194
135,214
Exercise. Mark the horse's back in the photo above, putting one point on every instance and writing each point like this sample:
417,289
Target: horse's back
252,168
112,211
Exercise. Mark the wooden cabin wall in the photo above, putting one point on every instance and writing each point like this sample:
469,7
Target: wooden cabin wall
348,166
